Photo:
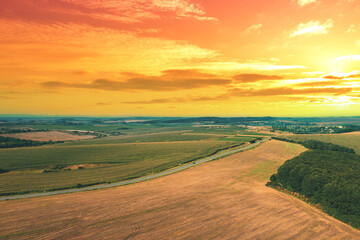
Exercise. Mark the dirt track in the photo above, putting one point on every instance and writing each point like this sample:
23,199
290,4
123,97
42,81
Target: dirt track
224,199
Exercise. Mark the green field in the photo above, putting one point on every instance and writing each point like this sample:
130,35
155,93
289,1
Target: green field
232,130
129,129
348,140
240,139
82,127
142,149
155,137
126,161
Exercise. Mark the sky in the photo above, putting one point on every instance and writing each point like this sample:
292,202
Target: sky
180,57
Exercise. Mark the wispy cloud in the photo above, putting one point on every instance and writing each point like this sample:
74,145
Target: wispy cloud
353,28
320,83
312,28
181,99
254,28
103,104
170,80
281,91
297,94
249,65
255,77
313,73
338,76
6,97
348,58
305,2
136,10
95,48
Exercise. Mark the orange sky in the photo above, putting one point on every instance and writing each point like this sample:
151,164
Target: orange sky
180,57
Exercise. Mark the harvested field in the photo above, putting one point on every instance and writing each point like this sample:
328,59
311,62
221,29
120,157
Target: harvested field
351,133
48,136
224,199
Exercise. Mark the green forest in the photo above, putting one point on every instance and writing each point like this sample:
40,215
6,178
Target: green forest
329,178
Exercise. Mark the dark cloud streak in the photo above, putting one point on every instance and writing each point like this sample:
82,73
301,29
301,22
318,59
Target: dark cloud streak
170,80
320,83
281,91
333,77
246,78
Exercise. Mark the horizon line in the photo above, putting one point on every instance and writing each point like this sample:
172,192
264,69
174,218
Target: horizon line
150,116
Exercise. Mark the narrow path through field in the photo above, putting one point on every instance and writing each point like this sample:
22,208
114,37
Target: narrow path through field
136,180
223,199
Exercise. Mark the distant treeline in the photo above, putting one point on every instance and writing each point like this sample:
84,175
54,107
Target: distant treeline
18,130
9,142
313,144
327,176
304,129
213,120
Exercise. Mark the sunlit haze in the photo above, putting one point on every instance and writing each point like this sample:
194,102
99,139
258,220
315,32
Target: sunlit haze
180,57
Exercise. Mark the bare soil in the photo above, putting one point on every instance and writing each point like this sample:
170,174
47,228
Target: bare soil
223,199
47,136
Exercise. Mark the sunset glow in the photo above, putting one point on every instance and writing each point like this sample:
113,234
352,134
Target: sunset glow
180,57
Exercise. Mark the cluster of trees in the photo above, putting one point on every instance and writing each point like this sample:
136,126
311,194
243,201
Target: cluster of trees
256,139
347,128
9,142
18,130
299,129
329,177
313,144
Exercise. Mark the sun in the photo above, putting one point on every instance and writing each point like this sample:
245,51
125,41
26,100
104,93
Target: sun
341,101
